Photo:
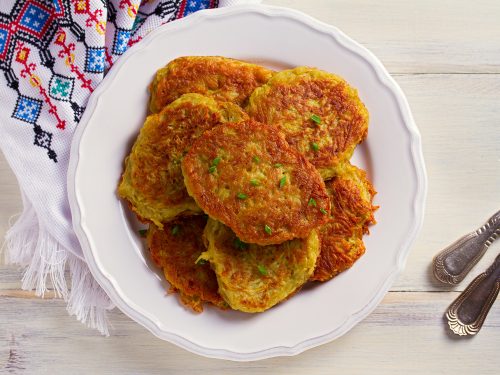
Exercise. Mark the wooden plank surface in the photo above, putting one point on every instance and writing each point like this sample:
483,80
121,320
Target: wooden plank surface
459,118
404,335
424,36
446,57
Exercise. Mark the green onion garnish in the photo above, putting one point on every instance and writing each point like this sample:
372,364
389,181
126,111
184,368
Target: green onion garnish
268,229
314,146
254,182
201,262
216,161
262,269
278,165
212,169
323,211
239,244
241,196
175,230
143,232
316,119
312,202
256,159
282,181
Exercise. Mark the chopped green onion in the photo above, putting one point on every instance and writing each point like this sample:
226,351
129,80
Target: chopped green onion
143,232
201,262
212,169
262,269
239,244
278,165
216,161
256,159
241,196
323,211
312,202
314,146
254,182
175,230
282,181
268,229
316,119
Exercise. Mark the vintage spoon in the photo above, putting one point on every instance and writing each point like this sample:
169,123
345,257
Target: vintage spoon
453,263
467,313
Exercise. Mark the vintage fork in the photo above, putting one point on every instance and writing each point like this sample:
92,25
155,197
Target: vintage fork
467,313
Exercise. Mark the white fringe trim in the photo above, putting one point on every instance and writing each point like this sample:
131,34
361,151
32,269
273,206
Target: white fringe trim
87,300
22,236
28,245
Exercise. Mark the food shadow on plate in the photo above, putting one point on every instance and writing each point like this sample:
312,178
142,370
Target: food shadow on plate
311,285
362,159
132,137
231,316
135,227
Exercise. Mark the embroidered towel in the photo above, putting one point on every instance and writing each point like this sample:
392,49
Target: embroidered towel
53,54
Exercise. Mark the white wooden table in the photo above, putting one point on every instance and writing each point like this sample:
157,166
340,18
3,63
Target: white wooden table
446,57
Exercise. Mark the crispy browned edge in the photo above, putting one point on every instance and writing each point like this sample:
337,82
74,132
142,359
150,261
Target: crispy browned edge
200,190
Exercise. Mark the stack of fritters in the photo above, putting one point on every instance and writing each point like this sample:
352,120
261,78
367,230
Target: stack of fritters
266,156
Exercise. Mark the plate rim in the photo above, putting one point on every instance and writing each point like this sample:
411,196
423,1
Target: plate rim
415,150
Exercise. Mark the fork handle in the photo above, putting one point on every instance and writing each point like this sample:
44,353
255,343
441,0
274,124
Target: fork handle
467,313
453,263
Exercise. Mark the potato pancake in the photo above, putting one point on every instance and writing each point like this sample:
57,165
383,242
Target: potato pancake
254,278
152,182
224,79
176,249
248,177
351,195
319,113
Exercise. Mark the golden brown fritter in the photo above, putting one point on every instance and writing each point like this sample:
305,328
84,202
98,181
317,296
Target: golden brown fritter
152,182
248,177
176,249
319,113
224,79
351,195
253,278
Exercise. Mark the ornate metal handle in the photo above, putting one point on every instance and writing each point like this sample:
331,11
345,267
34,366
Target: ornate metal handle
453,263
467,313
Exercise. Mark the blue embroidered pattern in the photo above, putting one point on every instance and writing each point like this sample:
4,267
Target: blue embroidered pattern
34,18
120,44
3,40
27,109
94,61
194,5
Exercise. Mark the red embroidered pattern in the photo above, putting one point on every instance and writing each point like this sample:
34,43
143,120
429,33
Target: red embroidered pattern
67,52
109,58
82,7
130,6
132,41
22,54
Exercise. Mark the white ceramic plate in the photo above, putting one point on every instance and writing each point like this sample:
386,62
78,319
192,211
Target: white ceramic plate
278,38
